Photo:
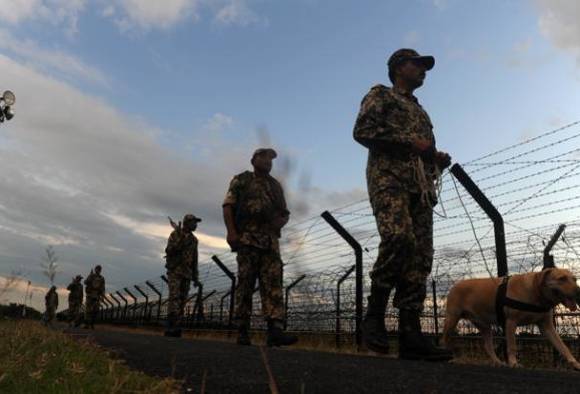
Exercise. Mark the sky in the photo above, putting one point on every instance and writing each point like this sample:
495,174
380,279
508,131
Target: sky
132,110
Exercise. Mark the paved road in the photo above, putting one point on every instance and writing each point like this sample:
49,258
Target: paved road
233,369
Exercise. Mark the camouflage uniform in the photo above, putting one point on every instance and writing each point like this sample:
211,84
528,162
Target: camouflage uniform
95,291
258,202
75,300
181,264
51,303
387,124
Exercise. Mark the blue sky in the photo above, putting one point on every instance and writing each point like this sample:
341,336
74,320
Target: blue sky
138,109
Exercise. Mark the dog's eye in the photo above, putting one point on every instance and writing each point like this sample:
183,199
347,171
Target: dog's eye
562,279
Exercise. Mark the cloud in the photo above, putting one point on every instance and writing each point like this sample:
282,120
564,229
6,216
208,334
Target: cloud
236,12
412,38
558,21
43,59
218,123
145,15
56,12
149,14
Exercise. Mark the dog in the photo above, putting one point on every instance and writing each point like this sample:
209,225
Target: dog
475,300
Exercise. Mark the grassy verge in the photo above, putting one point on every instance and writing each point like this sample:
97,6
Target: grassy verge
34,359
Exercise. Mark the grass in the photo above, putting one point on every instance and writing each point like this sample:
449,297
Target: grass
34,359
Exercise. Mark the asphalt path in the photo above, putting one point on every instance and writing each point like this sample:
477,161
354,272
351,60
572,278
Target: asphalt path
221,367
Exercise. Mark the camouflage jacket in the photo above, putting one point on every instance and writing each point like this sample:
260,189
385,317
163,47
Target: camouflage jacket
387,124
51,299
258,203
181,254
95,285
75,294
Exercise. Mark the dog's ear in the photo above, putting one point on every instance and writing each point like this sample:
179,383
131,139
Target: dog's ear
542,276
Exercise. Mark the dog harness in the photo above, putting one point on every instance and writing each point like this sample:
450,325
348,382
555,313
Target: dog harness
501,300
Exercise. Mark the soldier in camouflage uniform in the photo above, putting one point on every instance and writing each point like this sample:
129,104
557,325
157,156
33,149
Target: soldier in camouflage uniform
402,167
51,303
75,301
95,291
181,263
254,213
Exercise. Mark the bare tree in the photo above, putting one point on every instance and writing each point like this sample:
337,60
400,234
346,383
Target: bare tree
49,265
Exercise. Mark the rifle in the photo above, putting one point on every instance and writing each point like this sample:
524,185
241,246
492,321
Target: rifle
176,226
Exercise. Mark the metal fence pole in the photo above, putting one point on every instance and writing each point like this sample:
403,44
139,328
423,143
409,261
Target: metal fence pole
492,213
126,304
548,258
288,288
222,307
435,314
152,287
232,291
134,302
339,283
110,307
358,270
144,312
118,306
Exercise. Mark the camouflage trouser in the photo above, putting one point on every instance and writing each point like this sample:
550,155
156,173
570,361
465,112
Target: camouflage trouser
91,308
265,265
74,311
406,250
178,291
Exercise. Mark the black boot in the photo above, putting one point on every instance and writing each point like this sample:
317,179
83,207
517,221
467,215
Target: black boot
244,335
277,337
413,345
373,326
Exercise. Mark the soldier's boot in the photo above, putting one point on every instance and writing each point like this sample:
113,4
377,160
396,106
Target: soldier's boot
413,345
373,326
277,337
244,335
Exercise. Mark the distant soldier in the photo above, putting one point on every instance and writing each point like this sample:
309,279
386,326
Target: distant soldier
95,291
254,213
403,165
75,301
181,264
51,303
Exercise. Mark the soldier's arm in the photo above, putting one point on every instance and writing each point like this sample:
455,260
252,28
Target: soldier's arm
373,128
194,263
228,205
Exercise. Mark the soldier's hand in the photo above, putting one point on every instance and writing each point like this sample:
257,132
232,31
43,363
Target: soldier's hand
196,282
422,145
233,239
442,159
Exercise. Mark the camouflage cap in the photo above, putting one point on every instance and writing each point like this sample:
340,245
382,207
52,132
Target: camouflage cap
78,277
269,151
403,54
190,218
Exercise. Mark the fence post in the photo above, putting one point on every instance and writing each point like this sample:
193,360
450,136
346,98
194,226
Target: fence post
144,313
339,283
198,306
232,291
492,213
435,314
222,307
126,304
134,301
118,305
110,306
159,295
548,258
288,288
358,270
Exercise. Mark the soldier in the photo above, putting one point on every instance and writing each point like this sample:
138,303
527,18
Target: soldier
181,264
95,291
254,213
402,168
75,301
51,303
